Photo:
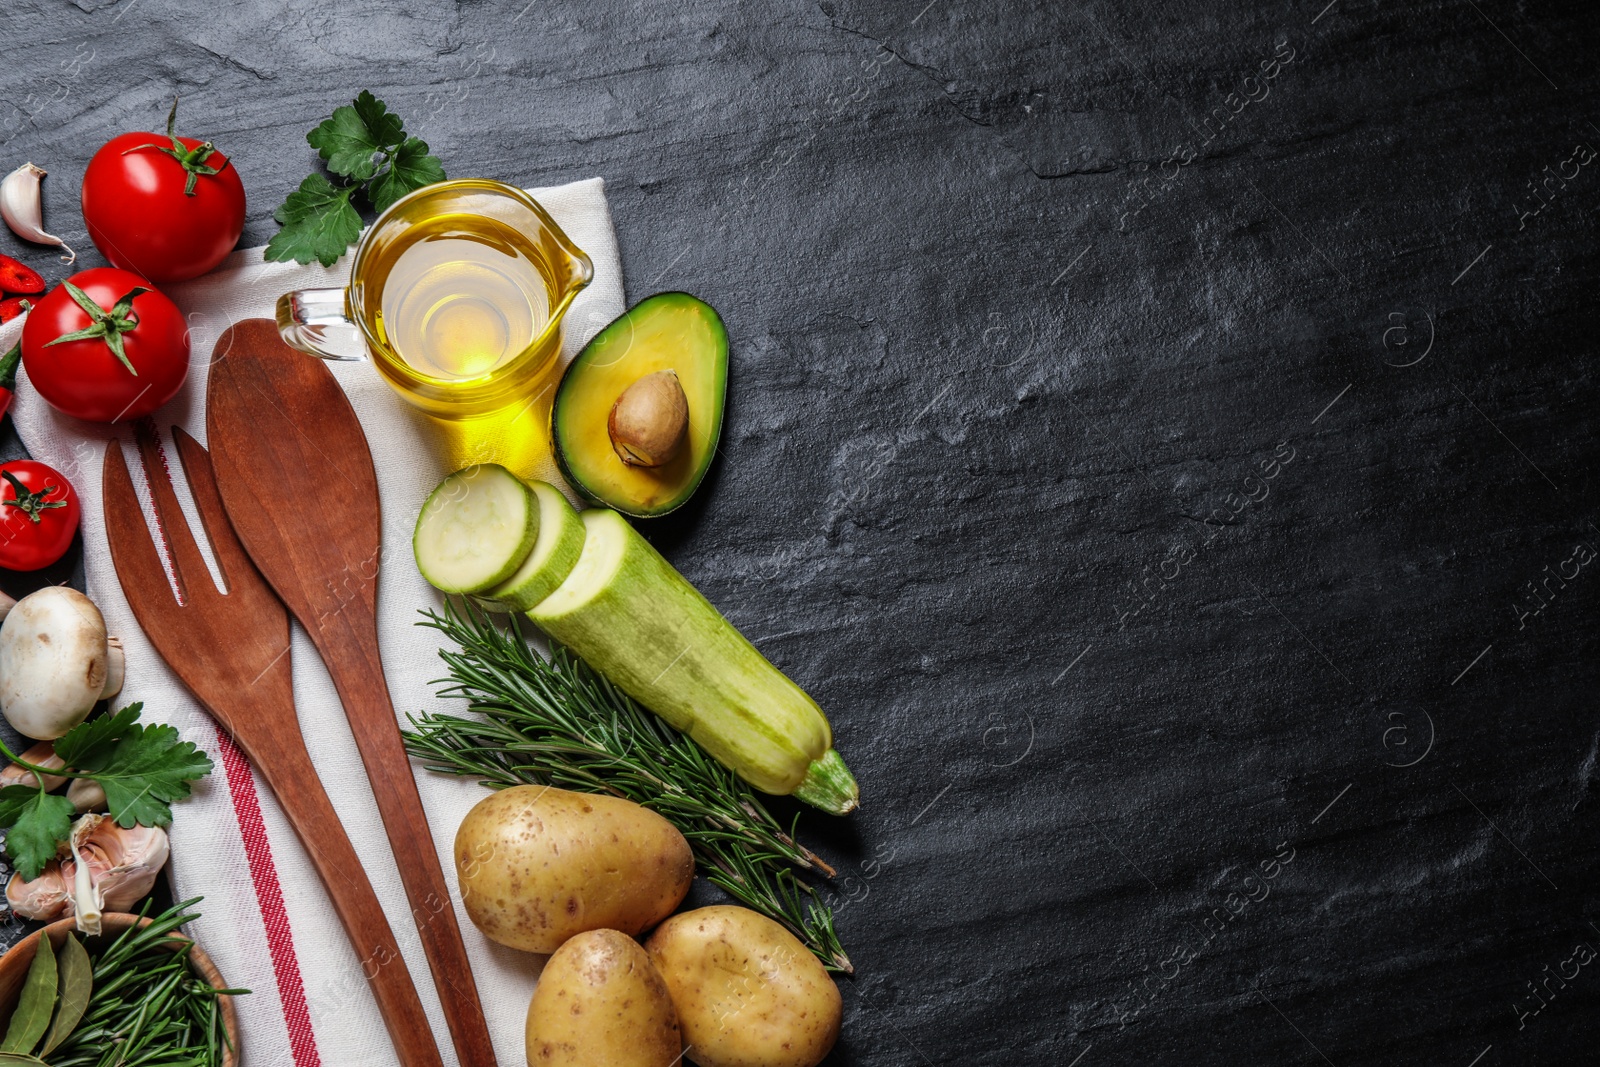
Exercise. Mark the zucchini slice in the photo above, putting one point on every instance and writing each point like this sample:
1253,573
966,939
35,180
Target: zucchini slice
555,553
475,529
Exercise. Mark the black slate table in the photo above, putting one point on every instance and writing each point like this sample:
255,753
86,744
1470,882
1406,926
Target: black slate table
1163,435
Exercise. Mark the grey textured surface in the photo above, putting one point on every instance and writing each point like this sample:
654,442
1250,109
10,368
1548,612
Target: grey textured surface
1163,760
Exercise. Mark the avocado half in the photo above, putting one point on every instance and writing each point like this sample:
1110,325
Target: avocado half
668,331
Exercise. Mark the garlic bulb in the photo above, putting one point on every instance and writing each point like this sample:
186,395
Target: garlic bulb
21,207
109,869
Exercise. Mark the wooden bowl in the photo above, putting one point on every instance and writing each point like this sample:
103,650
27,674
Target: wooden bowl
15,963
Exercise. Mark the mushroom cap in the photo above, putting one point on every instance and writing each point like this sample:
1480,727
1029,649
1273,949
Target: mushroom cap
54,661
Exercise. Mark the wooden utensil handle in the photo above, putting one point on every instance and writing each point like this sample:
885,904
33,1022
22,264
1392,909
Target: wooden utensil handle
358,676
289,772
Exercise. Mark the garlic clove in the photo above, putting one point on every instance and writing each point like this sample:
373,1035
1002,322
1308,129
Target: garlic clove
45,899
86,795
41,755
22,208
88,904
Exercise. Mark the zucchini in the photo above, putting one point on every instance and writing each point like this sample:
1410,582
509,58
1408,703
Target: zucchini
554,554
626,611
475,529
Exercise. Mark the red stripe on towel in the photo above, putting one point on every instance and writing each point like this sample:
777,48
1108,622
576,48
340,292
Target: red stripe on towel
263,871
269,894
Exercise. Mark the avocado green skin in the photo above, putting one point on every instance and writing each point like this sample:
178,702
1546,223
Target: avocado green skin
640,623
566,451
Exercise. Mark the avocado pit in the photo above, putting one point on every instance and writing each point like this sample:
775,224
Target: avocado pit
650,420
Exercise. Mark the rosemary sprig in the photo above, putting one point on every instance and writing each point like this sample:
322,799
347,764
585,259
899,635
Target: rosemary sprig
556,721
149,1006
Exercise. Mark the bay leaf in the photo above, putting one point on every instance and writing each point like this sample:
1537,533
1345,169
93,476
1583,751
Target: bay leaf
16,1059
36,1004
76,982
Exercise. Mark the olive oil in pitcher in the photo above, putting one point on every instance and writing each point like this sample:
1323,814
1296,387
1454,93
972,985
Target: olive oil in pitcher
456,293
462,295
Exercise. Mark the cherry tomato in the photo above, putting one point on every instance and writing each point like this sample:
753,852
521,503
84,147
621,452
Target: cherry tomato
168,208
122,360
38,515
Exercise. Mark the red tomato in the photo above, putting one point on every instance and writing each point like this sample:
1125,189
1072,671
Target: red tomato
125,360
168,208
38,515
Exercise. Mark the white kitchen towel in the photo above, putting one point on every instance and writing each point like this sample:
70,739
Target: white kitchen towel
265,919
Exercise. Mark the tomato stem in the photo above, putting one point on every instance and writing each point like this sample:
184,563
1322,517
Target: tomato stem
193,160
30,502
108,326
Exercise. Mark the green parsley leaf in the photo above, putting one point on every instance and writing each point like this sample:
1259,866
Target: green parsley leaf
93,739
148,767
410,168
366,149
13,799
37,822
354,135
386,127
318,223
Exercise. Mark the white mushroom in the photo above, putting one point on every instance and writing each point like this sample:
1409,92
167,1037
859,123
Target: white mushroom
55,662
109,869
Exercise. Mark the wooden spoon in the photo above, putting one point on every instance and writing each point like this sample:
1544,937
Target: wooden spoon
297,480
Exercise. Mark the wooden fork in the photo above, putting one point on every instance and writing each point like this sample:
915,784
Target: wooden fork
232,650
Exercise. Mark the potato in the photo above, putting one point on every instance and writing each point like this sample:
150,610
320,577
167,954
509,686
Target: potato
748,993
538,865
600,1001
